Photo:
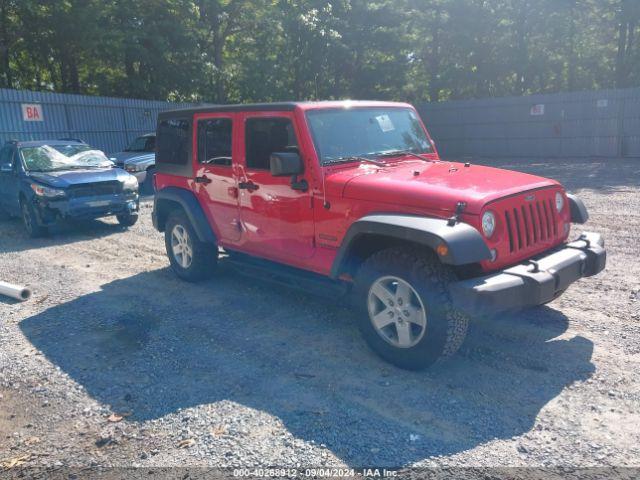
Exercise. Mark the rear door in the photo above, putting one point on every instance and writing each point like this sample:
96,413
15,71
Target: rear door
277,220
215,152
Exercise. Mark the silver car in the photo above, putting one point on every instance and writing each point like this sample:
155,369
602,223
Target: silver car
139,159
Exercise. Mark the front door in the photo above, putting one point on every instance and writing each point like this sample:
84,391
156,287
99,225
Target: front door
9,184
277,220
215,172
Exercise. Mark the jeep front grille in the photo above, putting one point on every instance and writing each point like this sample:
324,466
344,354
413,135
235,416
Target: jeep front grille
531,223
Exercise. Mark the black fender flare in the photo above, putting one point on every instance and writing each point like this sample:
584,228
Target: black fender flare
579,212
189,203
465,245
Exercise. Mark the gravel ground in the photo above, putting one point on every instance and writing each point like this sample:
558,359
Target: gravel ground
115,362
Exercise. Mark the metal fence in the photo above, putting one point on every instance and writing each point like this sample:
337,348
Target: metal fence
603,123
104,122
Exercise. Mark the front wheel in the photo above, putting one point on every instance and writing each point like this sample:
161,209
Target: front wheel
30,221
127,219
148,186
191,259
408,317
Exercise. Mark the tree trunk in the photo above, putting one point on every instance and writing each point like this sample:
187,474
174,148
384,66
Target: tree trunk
434,58
74,76
622,44
5,48
571,73
218,62
522,49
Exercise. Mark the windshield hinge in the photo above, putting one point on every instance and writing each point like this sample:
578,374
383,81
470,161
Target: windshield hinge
460,206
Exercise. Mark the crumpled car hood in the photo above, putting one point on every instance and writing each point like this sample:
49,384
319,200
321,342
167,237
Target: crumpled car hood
67,178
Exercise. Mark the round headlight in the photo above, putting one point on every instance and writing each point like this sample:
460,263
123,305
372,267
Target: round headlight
559,202
488,223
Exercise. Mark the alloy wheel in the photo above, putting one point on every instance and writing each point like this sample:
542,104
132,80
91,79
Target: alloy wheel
181,246
396,312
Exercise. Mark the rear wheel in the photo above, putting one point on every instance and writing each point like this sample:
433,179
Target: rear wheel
407,314
30,221
191,259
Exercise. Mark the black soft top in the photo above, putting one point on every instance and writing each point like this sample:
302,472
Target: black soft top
242,107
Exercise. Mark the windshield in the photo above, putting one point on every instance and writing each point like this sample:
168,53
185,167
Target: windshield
141,144
345,134
48,158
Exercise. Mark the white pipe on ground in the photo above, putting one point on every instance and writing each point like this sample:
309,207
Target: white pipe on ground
15,291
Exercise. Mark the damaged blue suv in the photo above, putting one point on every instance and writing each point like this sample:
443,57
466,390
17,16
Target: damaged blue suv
45,182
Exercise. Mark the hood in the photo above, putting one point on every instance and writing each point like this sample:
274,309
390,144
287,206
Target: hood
121,157
145,158
68,178
436,186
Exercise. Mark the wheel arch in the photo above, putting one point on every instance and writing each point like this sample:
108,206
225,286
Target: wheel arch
464,244
172,198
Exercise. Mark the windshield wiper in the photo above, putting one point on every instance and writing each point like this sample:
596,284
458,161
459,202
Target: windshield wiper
74,167
397,153
354,158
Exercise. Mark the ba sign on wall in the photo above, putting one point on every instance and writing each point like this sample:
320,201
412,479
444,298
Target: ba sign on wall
537,110
32,112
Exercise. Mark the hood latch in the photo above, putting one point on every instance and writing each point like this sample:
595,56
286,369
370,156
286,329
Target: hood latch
460,206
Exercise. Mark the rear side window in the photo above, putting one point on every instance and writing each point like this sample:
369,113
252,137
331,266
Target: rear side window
173,142
214,141
265,136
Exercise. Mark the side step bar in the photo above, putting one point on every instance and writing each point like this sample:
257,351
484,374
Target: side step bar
286,276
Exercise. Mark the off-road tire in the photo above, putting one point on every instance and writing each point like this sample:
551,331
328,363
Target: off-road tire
446,327
29,220
557,295
127,219
205,255
148,186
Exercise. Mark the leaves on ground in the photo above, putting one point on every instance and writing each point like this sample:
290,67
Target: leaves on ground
189,442
15,462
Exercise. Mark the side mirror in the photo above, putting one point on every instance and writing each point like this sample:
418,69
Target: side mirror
285,164
6,167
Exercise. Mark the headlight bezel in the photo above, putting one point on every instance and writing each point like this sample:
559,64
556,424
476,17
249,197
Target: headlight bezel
560,202
488,223
133,167
130,183
45,191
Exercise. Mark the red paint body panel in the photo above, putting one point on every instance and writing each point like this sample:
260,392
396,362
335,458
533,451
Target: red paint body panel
279,223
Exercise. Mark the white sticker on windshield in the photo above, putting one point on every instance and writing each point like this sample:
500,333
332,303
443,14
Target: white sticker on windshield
386,125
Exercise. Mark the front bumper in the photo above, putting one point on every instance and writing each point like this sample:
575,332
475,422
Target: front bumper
536,282
50,212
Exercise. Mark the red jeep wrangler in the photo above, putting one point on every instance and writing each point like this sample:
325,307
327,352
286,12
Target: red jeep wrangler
355,193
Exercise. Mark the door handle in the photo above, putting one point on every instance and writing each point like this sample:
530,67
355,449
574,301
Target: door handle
248,186
203,179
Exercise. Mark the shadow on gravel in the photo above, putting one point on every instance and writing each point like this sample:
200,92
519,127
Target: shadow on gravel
595,174
152,345
14,238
